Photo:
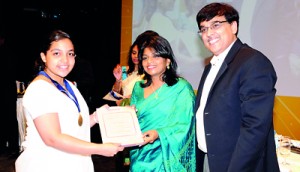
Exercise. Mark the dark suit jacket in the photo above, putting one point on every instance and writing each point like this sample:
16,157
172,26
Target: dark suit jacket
238,116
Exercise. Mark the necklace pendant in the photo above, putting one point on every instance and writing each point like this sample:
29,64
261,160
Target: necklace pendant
80,120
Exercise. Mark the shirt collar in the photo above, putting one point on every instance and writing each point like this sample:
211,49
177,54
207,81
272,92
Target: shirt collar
217,60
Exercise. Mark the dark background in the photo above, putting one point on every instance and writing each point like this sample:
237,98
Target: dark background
95,28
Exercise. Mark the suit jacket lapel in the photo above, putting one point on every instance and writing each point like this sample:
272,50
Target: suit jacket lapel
230,56
199,91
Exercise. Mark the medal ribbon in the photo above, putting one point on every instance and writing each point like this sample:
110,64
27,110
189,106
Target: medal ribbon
69,92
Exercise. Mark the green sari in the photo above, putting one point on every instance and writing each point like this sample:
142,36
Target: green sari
170,112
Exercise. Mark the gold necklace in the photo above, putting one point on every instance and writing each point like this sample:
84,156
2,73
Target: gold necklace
156,92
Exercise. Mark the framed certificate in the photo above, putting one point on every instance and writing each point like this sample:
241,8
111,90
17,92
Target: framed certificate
119,124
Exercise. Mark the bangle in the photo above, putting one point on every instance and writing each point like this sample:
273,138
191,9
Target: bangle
95,119
118,80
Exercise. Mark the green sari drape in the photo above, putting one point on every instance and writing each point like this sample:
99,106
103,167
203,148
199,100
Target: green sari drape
170,112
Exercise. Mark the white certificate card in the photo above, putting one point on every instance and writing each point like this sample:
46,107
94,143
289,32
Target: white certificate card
119,124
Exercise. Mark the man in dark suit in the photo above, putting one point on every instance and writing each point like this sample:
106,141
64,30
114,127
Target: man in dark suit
235,99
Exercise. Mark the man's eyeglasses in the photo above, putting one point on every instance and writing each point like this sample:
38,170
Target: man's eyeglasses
214,26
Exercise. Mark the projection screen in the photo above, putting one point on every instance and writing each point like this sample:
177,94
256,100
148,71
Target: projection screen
271,26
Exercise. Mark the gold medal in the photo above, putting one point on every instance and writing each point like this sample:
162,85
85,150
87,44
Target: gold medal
80,120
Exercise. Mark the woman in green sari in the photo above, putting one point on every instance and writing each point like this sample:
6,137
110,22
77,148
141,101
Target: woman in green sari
164,102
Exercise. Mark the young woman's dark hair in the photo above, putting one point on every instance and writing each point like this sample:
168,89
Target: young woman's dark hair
160,48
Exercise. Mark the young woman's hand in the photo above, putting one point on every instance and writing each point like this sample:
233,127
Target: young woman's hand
118,72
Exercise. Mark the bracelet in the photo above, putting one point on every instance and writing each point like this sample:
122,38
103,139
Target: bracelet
118,80
95,119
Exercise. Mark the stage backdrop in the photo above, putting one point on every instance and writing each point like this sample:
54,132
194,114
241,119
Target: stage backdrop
271,26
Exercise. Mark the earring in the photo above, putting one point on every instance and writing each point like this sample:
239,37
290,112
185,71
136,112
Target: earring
168,67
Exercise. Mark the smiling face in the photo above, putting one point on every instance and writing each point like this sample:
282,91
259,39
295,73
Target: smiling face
59,59
154,66
218,39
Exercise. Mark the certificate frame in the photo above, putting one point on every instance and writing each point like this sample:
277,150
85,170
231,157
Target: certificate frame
119,124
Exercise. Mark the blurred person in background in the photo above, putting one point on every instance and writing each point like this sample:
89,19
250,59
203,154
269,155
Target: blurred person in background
126,76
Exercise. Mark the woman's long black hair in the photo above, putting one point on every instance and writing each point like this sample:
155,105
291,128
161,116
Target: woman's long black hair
161,48
138,41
